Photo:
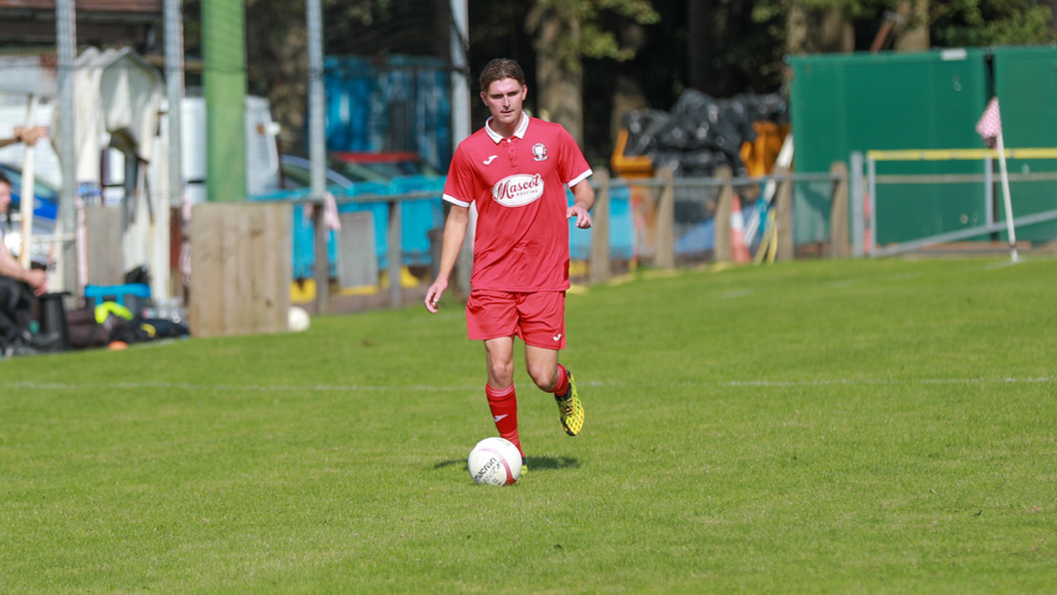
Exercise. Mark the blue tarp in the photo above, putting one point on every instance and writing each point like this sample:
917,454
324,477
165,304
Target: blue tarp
402,104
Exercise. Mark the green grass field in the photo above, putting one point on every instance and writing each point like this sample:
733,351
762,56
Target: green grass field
814,427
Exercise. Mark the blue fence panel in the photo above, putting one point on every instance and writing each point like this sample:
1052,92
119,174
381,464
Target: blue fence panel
304,241
418,217
380,210
621,228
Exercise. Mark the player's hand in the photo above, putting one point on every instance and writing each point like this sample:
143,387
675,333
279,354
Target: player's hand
30,136
583,217
433,295
38,280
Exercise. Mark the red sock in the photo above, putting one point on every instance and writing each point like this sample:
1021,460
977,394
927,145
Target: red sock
563,381
503,404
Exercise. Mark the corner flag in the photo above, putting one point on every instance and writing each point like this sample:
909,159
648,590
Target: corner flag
990,124
990,127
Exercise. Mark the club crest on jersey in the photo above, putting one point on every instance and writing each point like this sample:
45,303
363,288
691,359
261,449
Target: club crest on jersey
540,151
518,190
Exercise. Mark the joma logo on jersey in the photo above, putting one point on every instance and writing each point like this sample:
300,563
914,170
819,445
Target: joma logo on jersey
518,190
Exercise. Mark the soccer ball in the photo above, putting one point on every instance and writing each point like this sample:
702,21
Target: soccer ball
495,462
298,319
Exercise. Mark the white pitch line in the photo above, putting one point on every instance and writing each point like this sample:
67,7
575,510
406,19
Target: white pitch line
599,384
871,382
221,387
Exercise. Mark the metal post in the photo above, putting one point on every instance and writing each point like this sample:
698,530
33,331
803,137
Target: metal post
460,78
66,41
317,149
174,87
224,78
857,205
871,204
460,124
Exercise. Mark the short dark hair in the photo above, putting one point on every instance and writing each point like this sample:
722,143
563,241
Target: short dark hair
5,180
499,69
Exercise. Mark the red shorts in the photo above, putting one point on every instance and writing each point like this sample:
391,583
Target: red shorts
537,317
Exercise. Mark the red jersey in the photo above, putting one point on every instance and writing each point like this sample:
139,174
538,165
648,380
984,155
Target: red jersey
518,184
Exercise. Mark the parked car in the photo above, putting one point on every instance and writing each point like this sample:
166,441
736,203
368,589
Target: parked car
297,173
389,165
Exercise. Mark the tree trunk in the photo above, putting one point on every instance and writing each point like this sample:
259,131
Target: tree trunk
797,31
628,94
915,35
558,74
698,18
809,32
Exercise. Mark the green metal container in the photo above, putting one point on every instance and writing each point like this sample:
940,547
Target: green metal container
1026,87
889,101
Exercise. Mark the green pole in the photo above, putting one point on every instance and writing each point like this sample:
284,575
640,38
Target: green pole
224,79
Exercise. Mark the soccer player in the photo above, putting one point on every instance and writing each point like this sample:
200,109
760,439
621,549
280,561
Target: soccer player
515,170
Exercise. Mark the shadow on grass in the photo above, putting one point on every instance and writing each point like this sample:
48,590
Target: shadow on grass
534,463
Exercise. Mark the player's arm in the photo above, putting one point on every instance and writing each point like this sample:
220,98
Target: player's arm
583,200
10,267
454,234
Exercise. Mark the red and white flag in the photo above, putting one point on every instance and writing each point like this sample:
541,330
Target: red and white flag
990,124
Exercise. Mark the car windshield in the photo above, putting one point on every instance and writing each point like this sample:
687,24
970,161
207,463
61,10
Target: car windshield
394,169
298,173
386,166
358,171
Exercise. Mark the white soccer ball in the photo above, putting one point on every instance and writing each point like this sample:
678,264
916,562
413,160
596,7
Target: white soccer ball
298,319
495,462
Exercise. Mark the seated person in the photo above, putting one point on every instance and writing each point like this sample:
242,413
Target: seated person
18,287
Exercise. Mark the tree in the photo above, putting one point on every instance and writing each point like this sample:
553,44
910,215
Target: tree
992,22
848,25
634,59
566,32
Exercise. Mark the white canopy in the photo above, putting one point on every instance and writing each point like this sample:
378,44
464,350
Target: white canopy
118,96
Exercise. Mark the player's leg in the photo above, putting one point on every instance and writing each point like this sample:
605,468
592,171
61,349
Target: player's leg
552,377
491,317
502,398
542,327
542,366
500,358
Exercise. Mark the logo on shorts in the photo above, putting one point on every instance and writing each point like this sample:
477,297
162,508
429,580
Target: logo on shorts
518,190
540,151
557,337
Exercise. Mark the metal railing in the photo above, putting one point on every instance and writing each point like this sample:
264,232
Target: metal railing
865,180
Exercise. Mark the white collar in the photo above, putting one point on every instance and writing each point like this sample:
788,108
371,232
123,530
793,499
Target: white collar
520,132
